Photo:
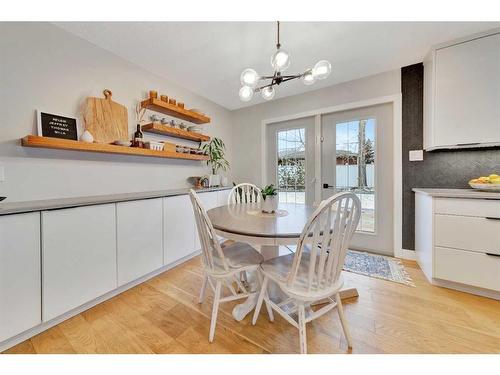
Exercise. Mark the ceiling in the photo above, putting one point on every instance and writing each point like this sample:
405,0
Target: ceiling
208,57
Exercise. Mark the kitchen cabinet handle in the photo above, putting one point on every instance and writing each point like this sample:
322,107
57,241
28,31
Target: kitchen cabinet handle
492,218
493,255
468,144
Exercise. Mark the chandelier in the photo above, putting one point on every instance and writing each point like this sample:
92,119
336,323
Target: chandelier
280,61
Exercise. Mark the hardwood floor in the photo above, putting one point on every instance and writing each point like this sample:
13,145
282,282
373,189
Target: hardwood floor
162,316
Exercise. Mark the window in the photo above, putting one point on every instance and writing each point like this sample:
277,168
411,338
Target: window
355,166
291,168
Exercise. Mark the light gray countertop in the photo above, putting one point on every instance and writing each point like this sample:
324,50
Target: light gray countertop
458,193
51,204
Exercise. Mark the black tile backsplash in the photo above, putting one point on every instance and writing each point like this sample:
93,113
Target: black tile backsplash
439,169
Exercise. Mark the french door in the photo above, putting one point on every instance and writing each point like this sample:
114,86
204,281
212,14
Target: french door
290,168
356,156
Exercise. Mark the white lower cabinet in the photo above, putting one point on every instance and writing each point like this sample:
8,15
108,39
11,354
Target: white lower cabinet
209,200
222,196
139,238
79,257
178,228
457,242
467,267
20,288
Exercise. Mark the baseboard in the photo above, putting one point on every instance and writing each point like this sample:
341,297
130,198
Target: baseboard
9,343
405,254
467,288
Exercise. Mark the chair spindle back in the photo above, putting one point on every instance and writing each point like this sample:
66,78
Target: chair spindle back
325,238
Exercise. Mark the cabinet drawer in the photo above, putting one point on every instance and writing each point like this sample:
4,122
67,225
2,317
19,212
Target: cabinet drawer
468,233
467,207
467,267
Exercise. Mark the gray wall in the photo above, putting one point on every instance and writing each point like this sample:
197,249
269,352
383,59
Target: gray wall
45,67
439,169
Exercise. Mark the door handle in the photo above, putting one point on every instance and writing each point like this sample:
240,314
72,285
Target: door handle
493,255
492,218
326,186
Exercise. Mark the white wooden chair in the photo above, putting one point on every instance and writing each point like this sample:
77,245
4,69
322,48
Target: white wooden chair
244,193
313,272
222,264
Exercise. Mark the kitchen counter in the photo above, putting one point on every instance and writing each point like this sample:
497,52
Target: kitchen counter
458,193
51,204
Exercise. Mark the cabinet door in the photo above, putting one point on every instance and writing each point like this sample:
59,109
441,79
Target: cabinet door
139,238
209,201
178,228
467,93
79,257
20,288
222,196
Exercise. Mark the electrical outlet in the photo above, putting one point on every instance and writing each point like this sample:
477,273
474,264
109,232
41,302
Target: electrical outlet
416,155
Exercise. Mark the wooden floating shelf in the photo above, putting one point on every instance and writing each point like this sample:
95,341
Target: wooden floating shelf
174,132
66,144
175,111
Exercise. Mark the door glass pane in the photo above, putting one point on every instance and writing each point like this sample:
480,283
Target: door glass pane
291,170
355,166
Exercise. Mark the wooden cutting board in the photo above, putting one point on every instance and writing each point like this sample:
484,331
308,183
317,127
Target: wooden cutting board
106,119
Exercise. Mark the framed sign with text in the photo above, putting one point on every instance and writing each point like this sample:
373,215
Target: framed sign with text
57,126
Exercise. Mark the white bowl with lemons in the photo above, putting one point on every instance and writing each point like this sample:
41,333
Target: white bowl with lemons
489,183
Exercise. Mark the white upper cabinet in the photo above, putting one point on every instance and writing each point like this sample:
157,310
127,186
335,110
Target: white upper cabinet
462,94
178,228
79,257
139,238
20,287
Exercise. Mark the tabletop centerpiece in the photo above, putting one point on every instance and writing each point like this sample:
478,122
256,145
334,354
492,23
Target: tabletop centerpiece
269,203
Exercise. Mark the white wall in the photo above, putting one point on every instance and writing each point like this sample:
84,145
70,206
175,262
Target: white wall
247,121
42,66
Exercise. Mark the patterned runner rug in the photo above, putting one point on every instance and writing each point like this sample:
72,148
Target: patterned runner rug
379,266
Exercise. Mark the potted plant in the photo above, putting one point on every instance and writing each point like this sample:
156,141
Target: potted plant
269,199
215,149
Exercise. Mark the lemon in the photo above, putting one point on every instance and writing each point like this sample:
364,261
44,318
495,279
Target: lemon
493,176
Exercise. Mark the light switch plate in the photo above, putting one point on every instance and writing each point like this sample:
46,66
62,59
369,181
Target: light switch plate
416,155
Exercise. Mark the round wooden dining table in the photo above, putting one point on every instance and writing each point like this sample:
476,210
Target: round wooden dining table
245,222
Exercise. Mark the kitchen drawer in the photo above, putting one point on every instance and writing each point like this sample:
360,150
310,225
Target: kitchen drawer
468,233
467,267
468,207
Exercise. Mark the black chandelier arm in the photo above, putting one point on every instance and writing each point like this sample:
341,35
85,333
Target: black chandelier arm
283,77
273,82
287,78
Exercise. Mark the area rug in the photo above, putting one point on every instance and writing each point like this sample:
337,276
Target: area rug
379,266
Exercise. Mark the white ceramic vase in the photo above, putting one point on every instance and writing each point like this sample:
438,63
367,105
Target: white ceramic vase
214,180
270,204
